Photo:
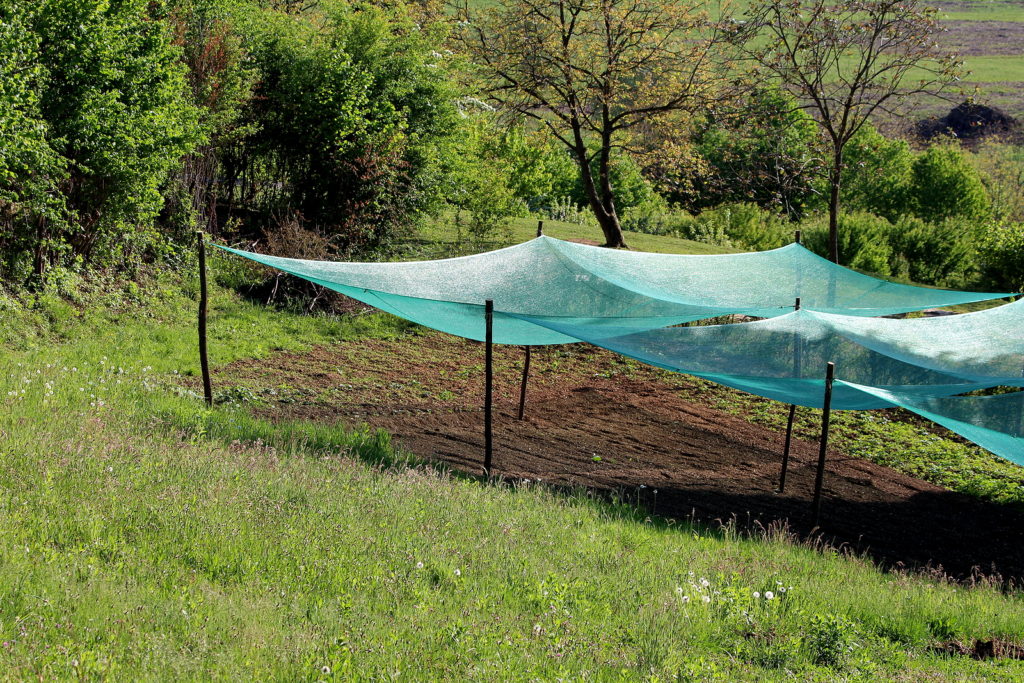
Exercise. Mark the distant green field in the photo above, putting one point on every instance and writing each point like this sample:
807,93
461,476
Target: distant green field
990,10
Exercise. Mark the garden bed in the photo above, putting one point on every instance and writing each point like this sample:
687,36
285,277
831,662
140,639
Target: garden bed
627,431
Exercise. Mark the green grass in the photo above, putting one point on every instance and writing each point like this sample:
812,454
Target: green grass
146,536
986,10
993,69
443,235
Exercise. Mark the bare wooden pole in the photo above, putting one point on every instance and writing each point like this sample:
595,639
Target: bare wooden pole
488,382
792,408
204,361
540,228
522,386
797,237
826,416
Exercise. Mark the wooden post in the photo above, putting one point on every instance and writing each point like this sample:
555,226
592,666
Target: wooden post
488,382
522,387
540,228
785,449
798,237
204,362
792,408
826,415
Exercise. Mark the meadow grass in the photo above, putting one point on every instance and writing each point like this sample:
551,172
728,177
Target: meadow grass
443,236
148,536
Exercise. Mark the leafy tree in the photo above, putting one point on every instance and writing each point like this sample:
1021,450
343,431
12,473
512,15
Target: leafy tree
594,72
767,154
845,61
116,112
878,174
221,88
863,242
30,169
351,108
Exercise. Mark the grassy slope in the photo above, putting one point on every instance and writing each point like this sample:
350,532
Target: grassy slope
442,236
146,536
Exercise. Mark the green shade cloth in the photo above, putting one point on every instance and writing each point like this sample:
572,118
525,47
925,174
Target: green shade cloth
919,364
547,291
996,423
593,286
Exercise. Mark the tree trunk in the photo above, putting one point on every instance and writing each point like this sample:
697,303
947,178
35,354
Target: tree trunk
835,182
607,219
604,212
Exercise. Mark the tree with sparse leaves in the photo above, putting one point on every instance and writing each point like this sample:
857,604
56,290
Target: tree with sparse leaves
846,62
594,72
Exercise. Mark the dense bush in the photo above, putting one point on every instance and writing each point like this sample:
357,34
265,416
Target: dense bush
30,168
945,185
863,241
941,253
104,108
1001,257
767,156
352,110
878,174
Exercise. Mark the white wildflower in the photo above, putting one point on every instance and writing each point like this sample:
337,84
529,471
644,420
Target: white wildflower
768,595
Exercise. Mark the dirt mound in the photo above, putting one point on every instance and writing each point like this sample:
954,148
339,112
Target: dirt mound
971,121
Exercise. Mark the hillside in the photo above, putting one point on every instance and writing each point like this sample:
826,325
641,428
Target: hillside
148,537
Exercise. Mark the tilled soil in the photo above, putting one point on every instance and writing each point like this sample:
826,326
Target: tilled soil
625,431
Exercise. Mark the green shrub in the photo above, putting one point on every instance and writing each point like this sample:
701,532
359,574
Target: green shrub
877,174
1001,166
769,157
943,254
863,241
750,226
1001,257
744,225
945,185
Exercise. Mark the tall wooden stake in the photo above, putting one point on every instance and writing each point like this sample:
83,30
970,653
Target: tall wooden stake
488,381
522,387
204,362
540,228
785,449
826,415
792,408
798,237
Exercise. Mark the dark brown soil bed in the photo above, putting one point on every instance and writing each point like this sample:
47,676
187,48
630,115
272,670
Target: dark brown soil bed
618,427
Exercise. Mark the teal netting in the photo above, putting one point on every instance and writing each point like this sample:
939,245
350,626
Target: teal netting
919,364
996,423
592,286
547,291
784,358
